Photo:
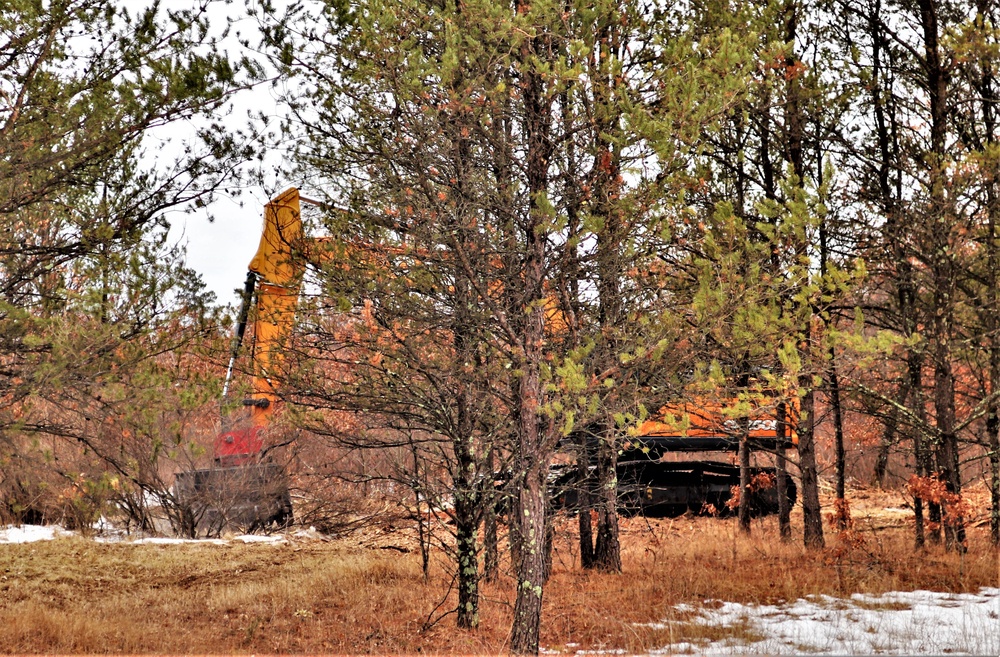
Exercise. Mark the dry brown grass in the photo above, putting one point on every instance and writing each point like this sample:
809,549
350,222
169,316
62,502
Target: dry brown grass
349,596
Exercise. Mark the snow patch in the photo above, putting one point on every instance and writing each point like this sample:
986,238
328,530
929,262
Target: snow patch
260,538
32,533
915,622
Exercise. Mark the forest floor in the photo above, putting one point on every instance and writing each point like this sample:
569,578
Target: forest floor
690,585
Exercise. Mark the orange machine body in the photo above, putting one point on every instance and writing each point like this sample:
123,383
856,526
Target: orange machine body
702,423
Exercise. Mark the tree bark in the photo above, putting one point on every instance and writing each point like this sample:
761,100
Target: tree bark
744,507
607,551
947,446
585,505
795,128
812,520
833,387
469,462
491,552
781,472
468,566
532,453
993,445
943,270
990,312
606,177
921,453
838,437
467,502
530,506
530,581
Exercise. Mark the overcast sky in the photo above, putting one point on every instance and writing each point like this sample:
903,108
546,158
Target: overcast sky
220,251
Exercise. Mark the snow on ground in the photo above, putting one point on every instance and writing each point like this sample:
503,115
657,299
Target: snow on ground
31,533
916,622
108,533
260,538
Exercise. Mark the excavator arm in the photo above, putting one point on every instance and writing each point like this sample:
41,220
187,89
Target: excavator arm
272,286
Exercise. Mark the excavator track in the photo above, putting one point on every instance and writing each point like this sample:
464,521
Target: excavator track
244,498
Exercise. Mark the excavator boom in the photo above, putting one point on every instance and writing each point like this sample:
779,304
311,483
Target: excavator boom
273,283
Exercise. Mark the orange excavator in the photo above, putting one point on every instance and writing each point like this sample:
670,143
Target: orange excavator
705,425
244,489
662,486
653,483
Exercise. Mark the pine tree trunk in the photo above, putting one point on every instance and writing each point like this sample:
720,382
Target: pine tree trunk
781,472
584,496
530,512
607,552
918,523
491,553
530,506
812,520
947,447
795,123
993,444
467,501
532,456
606,178
514,539
744,507
993,412
884,448
838,431
423,526
468,566
944,274
530,503
992,321
921,453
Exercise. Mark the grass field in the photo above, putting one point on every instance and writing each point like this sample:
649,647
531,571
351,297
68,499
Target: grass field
365,593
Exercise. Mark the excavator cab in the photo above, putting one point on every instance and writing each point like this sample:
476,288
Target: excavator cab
239,446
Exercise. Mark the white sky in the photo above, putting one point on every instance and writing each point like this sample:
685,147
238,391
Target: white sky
221,250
